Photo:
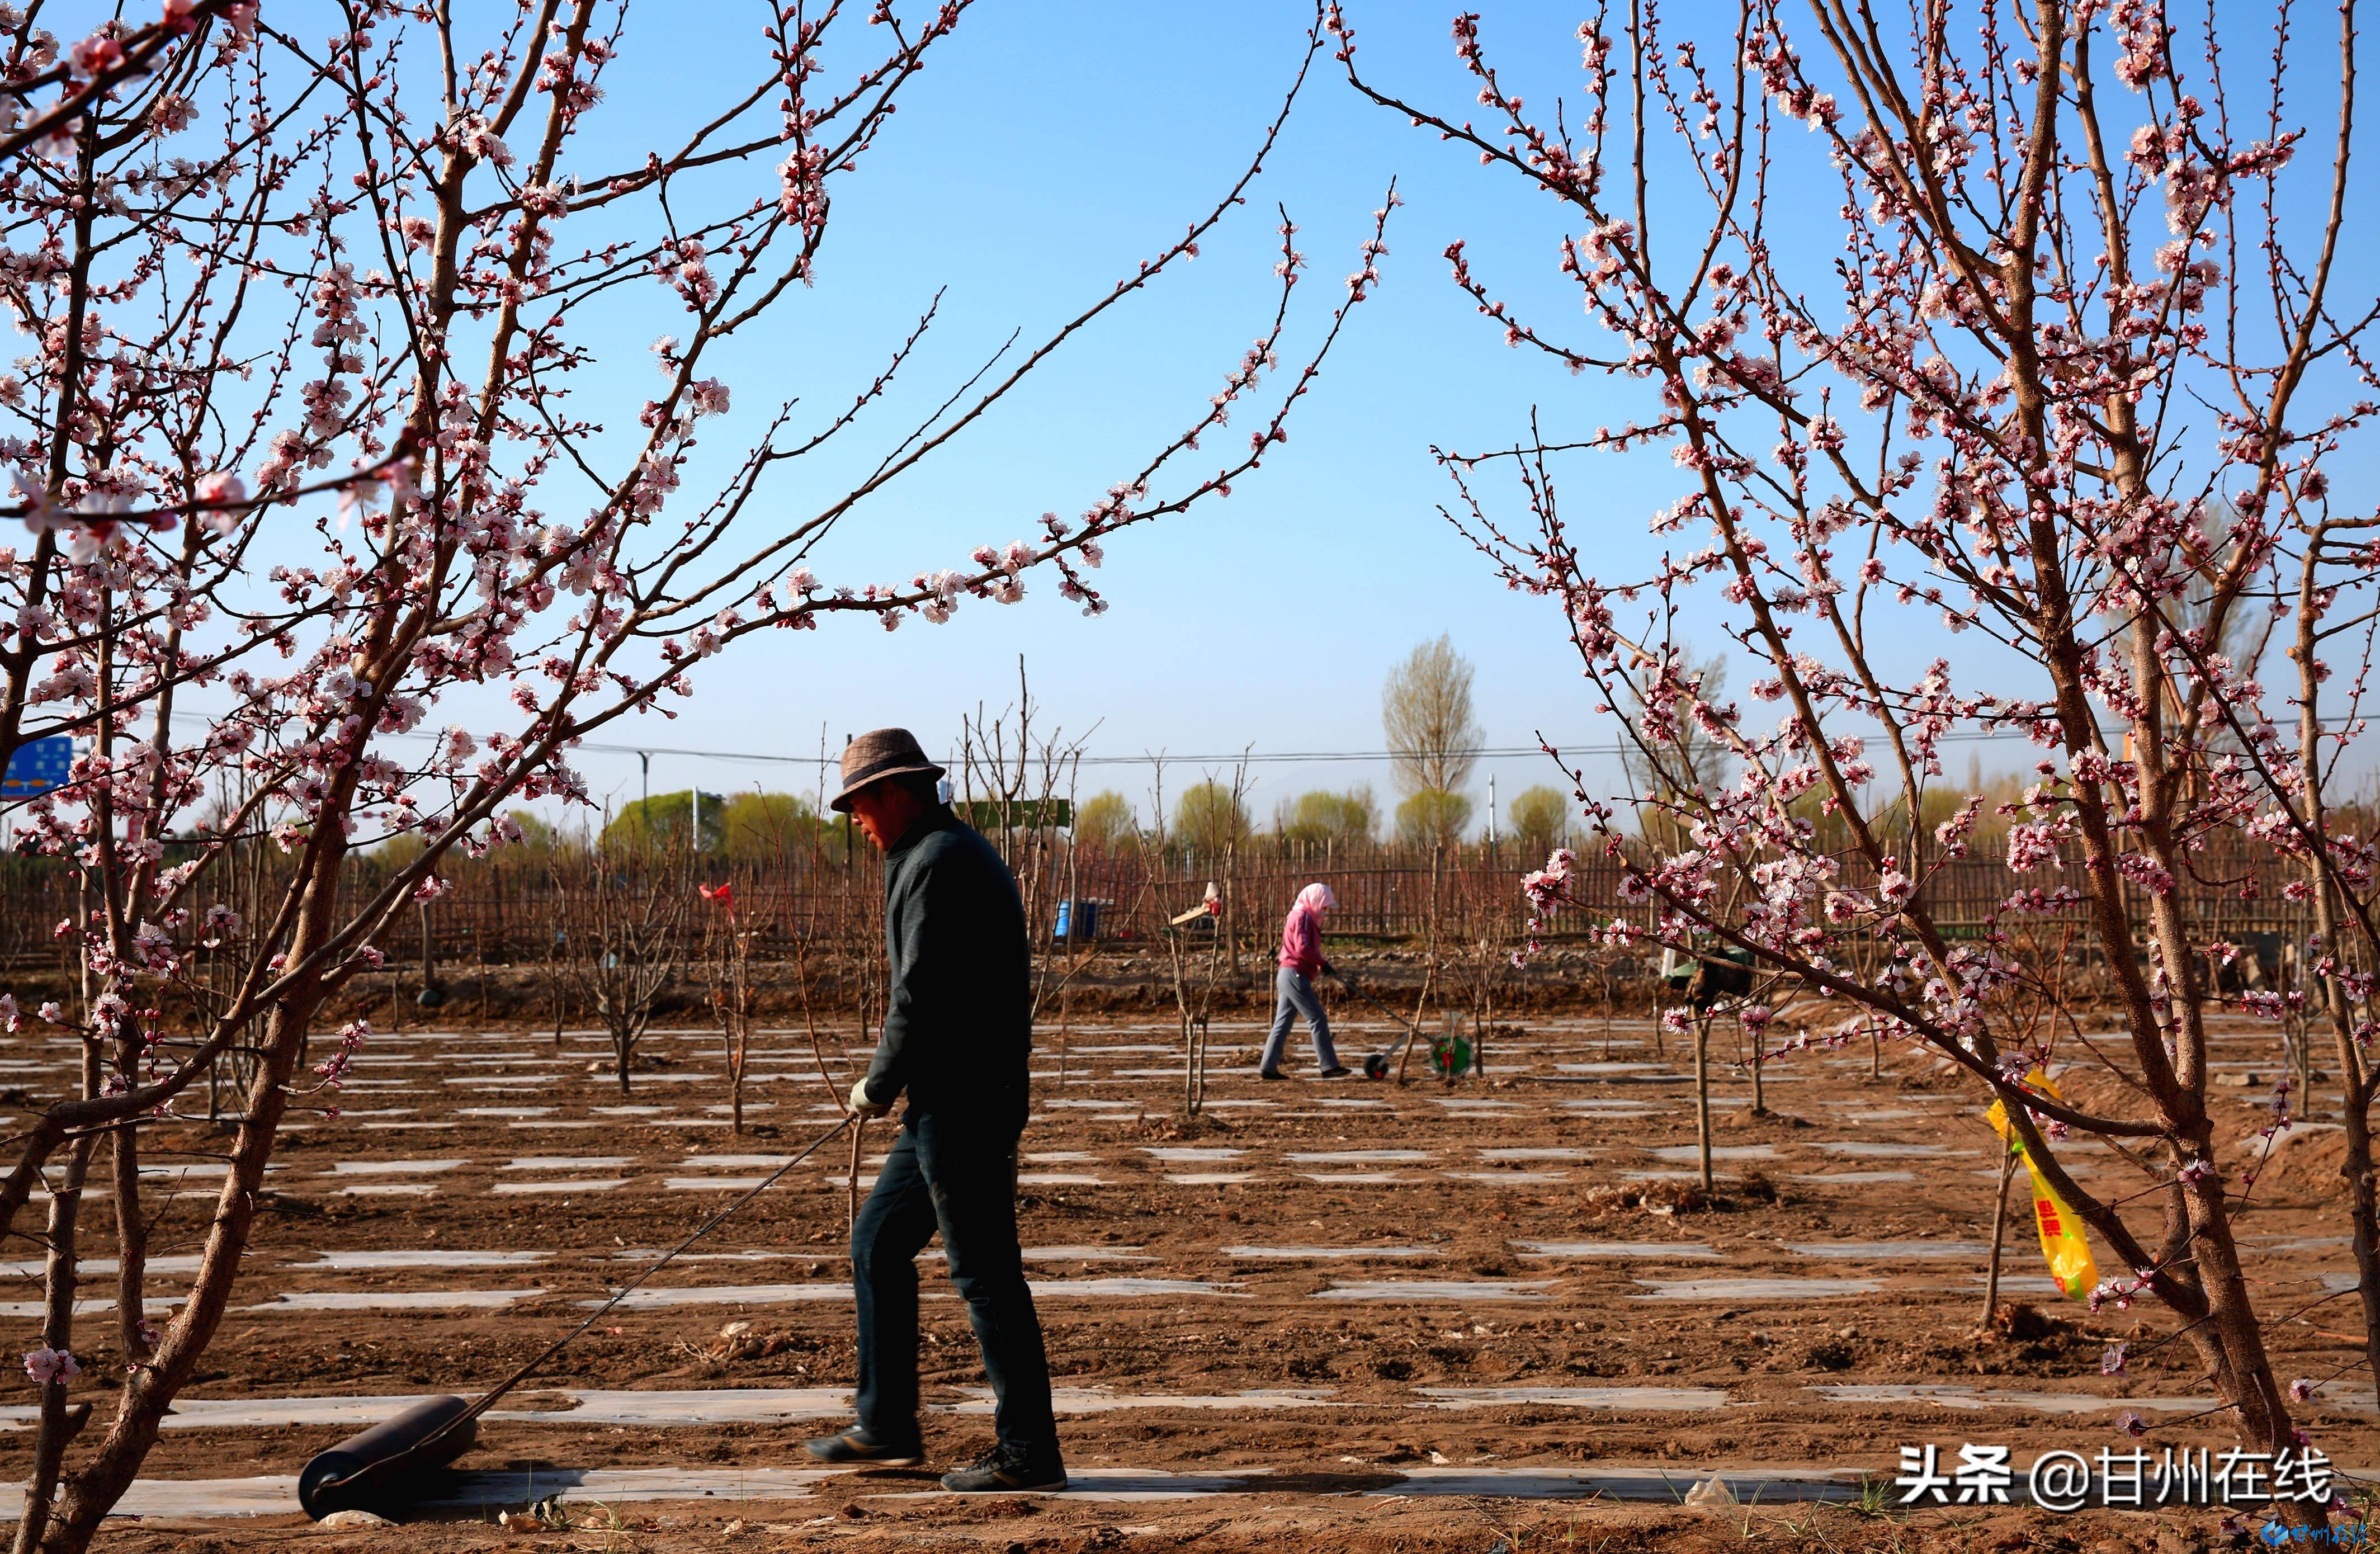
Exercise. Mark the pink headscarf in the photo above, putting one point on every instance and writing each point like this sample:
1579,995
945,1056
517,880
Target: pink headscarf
1301,933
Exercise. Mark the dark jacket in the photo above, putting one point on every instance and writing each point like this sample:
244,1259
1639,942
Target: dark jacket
960,1022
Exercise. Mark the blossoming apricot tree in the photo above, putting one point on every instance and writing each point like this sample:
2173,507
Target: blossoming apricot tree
2061,377
317,438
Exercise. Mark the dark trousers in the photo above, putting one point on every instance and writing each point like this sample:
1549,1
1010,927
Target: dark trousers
961,1182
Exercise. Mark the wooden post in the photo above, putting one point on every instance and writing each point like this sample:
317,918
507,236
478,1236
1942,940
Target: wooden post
1759,1101
428,957
1702,1097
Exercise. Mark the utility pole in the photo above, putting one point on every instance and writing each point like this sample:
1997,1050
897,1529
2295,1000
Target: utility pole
645,759
1491,809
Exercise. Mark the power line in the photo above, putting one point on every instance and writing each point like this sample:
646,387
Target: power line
1254,757
1150,757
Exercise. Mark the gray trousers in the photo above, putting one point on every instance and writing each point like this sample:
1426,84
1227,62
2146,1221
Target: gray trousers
1293,995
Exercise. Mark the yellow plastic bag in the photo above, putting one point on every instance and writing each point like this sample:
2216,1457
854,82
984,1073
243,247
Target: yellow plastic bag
2063,1247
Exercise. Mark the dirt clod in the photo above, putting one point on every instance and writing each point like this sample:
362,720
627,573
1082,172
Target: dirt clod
2024,1322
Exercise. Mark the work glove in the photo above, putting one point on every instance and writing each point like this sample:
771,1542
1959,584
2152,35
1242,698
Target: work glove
861,1103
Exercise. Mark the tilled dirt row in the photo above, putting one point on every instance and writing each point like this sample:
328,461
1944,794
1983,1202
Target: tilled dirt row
1334,1286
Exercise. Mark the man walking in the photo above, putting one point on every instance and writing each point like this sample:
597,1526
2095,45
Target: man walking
955,1041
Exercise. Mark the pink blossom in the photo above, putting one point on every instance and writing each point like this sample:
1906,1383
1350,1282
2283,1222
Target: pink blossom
96,56
442,511
47,1364
224,493
334,1069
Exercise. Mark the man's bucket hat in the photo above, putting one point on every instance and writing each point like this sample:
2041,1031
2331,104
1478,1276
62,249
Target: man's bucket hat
876,755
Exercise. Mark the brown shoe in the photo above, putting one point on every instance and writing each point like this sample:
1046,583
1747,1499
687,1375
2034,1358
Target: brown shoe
860,1449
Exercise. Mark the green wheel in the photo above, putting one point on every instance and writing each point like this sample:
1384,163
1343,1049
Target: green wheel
1450,1055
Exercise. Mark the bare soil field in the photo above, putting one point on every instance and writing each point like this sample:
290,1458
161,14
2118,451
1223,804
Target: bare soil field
1320,1316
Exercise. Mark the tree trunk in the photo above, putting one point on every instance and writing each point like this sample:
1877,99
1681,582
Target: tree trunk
58,1332
2232,1341
148,1393
2363,1216
131,1249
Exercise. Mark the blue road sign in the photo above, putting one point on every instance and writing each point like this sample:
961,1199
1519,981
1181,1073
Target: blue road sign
38,767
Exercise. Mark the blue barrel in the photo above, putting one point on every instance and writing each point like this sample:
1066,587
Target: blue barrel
1078,918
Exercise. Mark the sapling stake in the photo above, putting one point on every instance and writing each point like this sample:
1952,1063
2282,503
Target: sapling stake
2000,1225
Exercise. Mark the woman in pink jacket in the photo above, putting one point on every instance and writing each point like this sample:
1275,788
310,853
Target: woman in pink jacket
1301,957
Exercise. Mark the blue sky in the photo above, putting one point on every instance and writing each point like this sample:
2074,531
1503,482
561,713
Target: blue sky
1044,151
1048,147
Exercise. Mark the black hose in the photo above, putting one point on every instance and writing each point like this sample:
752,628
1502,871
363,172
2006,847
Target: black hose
1401,1020
426,1451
